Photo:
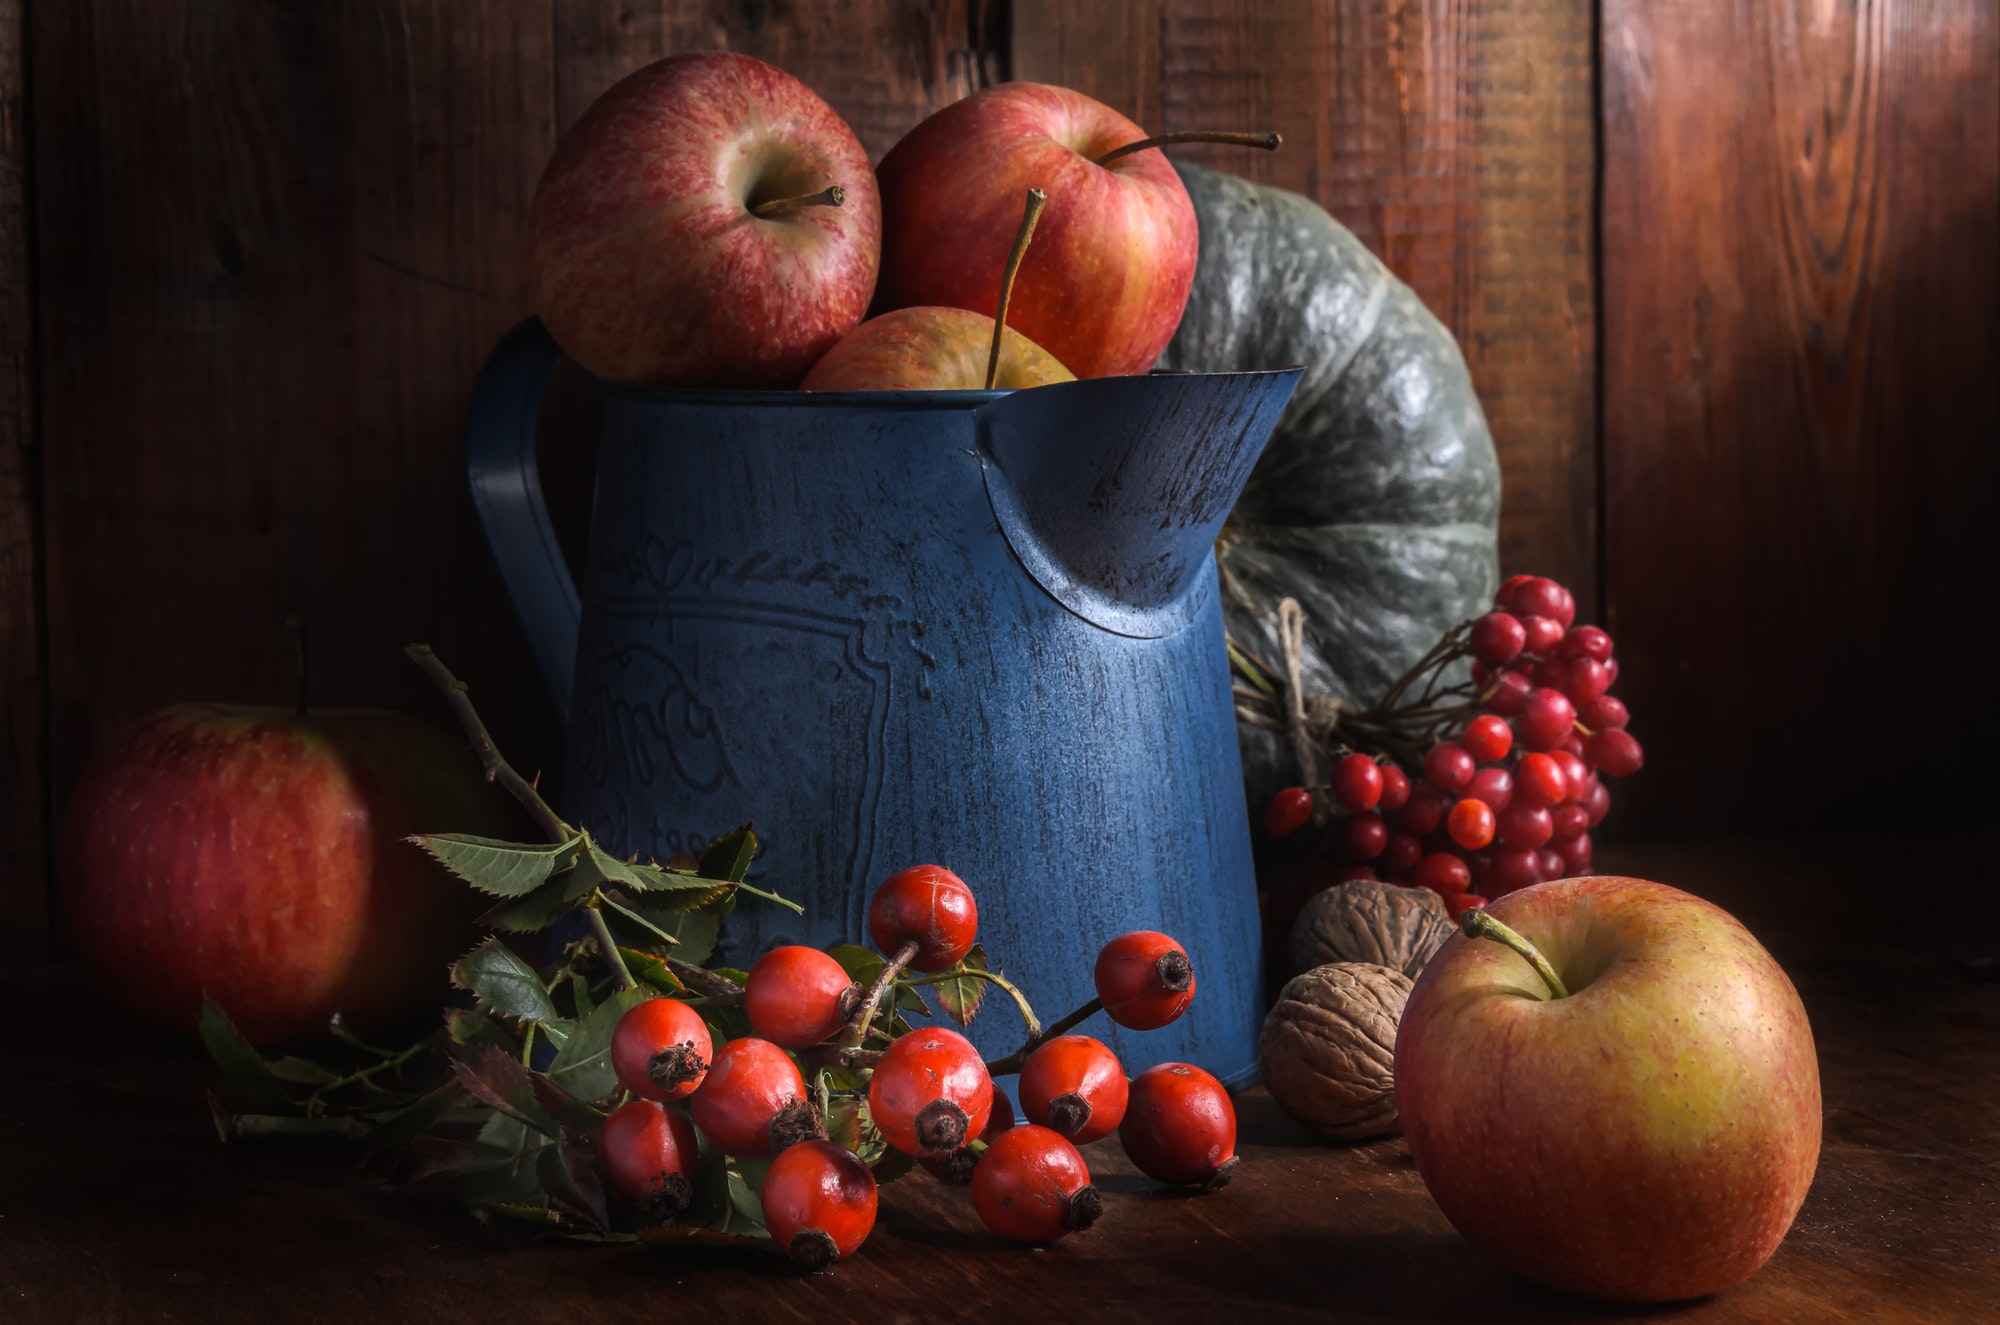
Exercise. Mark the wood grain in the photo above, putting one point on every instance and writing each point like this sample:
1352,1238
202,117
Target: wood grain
276,243
24,878
1456,140
1802,293
126,1207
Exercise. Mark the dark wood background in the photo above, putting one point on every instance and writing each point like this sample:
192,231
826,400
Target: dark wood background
1725,275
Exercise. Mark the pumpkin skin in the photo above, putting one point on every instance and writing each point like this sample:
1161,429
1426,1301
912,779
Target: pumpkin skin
1377,502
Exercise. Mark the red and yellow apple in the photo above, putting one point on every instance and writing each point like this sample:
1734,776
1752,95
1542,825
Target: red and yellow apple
260,856
931,349
648,258
1647,1137
1105,284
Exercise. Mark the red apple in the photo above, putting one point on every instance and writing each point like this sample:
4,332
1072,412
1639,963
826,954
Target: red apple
1650,1136
646,259
1105,284
931,349
259,855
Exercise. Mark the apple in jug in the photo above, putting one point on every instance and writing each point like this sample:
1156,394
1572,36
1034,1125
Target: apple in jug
1612,1090
259,855
708,222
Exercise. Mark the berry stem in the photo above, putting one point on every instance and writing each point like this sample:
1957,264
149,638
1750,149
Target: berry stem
1268,141
1012,1062
1477,924
858,1031
704,981
840,1055
609,947
831,196
1033,213
497,769
993,977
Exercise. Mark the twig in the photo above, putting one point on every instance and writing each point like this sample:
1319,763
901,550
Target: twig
497,769
1012,1062
702,980
857,1031
609,947
841,1055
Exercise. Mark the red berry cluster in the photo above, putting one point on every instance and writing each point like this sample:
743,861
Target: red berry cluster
1507,791
928,1093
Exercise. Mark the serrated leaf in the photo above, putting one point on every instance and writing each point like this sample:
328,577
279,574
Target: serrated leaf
579,990
960,995
470,1026
502,869
861,964
503,983
536,911
571,1113
603,867
843,1122
300,1071
502,1081
583,1068
399,1129
240,1064
572,1184
729,857
648,968
690,893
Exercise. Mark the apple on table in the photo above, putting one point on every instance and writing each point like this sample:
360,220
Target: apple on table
259,855
1642,1122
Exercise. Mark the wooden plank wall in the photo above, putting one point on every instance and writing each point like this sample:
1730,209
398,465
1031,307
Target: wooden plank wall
270,245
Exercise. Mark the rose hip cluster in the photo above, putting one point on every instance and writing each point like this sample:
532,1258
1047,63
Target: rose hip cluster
1510,797
929,1094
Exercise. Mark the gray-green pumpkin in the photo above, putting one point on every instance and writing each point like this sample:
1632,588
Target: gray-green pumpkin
1377,502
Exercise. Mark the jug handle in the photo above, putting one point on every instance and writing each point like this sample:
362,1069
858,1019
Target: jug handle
507,493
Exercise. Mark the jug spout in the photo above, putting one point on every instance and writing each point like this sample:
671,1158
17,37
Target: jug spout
1111,490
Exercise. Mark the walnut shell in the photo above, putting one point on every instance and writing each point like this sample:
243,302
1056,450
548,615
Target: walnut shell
1328,1050
1370,922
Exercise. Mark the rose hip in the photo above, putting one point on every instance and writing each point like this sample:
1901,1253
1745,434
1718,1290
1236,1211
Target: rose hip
1032,1185
819,1203
660,1049
1074,1086
753,1101
648,1152
956,1167
929,906
930,1092
1144,980
1180,1127
798,996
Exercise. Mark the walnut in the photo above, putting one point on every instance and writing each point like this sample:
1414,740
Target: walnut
1328,1049
1370,922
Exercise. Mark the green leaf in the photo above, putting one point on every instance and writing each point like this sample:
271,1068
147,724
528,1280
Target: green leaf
571,1182
743,1197
569,1111
696,933
301,1071
648,968
861,964
579,988
893,1165
843,1122
536,911
961,995
501,1081
603,867
709,1204
583,1068
503,869
399,1129
503,983
469,1026
729,857
241,1066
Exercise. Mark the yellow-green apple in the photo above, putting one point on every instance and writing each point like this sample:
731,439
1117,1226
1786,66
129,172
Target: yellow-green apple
931,349
709,221
1109,276
1645,1135
260,855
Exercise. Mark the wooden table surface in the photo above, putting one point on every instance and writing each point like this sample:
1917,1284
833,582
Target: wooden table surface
118,1204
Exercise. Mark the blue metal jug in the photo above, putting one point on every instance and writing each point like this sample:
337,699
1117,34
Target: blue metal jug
978,629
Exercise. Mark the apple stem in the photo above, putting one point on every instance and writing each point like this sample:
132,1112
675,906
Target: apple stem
1036,201
1268,141
497,769
296,623
1477,924
831,196
609,947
